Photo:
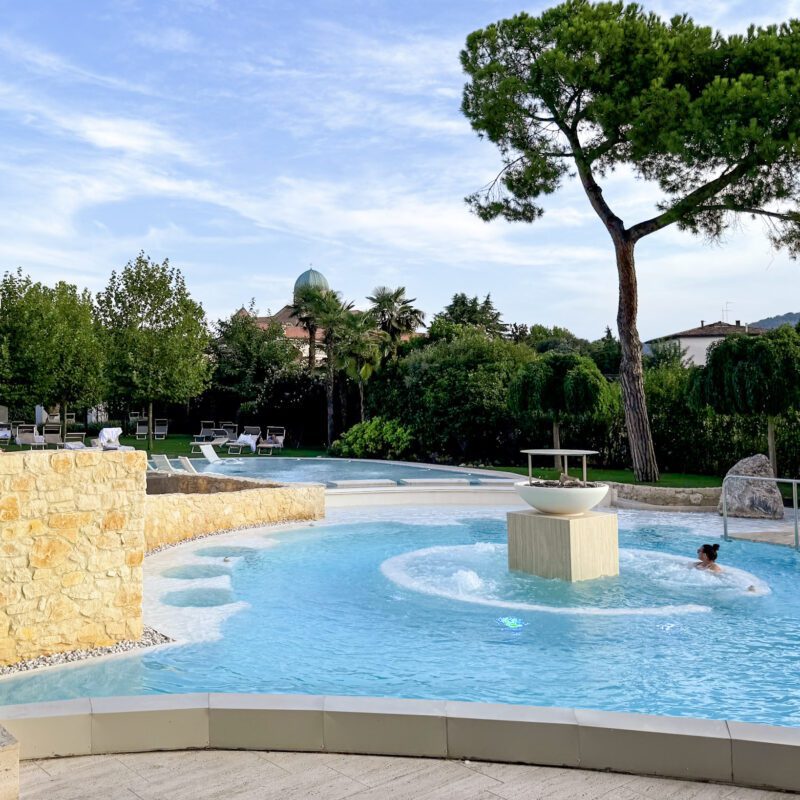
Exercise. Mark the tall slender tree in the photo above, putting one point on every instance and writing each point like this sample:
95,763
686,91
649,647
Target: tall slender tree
359,350
395,314
585,88
326,307
305,307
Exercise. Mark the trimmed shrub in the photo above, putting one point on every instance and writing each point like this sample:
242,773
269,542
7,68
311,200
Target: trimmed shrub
376,438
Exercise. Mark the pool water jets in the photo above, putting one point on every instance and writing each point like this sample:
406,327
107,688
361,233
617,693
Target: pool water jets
420,603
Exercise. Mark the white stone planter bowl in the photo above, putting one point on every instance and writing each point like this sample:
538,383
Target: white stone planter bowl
561,499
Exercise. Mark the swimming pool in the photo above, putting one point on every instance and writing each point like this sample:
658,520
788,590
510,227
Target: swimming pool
330,471
417,602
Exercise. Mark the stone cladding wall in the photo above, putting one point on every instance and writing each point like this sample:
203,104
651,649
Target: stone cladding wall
633,495
191,506
71,550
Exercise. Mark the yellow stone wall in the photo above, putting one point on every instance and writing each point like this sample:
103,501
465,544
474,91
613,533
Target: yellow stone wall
71,550
171,518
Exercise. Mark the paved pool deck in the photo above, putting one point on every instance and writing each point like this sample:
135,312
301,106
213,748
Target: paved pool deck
215,774
782,534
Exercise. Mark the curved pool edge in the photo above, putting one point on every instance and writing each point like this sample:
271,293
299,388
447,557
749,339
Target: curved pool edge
737,753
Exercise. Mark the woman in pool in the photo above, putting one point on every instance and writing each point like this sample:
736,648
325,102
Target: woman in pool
708,558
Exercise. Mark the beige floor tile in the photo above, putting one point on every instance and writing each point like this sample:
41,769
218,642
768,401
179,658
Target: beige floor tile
738,793
31,775
234,775
377,770
296,762
510,772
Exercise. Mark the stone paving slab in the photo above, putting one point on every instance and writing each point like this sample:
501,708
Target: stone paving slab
218,775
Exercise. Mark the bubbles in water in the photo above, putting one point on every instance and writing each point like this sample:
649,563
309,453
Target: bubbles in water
468,581
478,573
677,573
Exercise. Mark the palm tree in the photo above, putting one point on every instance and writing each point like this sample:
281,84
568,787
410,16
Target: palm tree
304,308
331,314
395,314
359,349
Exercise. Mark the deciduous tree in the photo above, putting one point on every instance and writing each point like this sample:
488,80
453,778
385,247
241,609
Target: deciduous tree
155,334
558,386
753,375
78,377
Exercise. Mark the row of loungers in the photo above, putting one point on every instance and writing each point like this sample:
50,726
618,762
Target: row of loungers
160,428
226,435
28,434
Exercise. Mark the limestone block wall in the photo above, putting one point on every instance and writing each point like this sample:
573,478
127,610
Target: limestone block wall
204,504
635,496
71,550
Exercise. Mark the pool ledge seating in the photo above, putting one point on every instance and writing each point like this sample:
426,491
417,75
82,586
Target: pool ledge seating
740,753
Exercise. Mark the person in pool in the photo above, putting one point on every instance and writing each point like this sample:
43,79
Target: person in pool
708,558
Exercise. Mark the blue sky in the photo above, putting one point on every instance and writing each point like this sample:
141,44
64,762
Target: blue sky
245,140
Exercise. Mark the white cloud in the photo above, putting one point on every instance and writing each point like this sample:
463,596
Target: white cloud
133,136
50,64
168,40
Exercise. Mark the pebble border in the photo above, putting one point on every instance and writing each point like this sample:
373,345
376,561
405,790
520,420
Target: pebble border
150,638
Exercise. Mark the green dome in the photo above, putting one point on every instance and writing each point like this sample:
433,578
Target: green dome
310,278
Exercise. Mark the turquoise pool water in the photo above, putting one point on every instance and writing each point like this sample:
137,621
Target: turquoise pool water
329,470
418,603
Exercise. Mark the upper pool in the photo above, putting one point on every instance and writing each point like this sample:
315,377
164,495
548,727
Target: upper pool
418,602
332,470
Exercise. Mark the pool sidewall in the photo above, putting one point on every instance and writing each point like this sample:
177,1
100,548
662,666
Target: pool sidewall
745,754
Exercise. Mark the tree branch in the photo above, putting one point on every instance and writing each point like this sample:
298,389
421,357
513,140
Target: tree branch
790,216
593,191
691,202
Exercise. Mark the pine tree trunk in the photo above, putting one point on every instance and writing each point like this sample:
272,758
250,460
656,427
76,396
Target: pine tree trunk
773,456
64,412
312,348
150,425
557,444
631,374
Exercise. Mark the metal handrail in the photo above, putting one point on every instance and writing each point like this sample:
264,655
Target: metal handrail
793,481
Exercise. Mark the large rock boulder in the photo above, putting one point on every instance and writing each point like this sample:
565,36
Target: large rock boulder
754,499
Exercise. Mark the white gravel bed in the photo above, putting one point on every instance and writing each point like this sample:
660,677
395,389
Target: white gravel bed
150,637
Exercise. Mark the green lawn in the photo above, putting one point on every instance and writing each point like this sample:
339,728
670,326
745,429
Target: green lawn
180,445
676,479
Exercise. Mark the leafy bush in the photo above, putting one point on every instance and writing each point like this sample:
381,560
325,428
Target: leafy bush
376,438
453,394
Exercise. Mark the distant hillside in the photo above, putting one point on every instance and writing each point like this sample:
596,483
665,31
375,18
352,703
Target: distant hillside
776,322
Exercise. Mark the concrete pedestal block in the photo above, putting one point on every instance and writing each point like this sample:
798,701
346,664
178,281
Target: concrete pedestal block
573,548
9,766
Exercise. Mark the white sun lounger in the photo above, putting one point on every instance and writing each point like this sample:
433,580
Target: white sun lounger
186,463
210,454
162,463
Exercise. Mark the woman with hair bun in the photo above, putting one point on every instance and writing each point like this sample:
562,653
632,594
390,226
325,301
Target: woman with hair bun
708,558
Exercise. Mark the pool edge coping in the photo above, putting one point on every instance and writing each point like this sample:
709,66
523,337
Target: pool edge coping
722,751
